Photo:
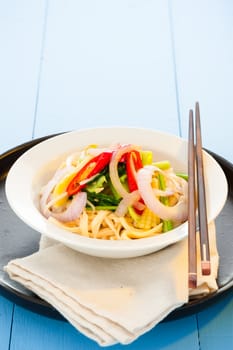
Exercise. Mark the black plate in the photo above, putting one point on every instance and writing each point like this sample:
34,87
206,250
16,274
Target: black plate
18,240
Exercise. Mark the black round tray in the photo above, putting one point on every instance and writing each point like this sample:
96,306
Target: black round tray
18,240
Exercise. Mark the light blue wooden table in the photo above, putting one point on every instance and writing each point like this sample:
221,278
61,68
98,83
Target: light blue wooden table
73,64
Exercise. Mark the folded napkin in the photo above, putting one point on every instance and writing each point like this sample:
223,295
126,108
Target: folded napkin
109,300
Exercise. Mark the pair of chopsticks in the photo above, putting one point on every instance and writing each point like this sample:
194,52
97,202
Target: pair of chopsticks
196,190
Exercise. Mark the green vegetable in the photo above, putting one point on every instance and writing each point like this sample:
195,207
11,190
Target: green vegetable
147,157
167,224
162,186
133,214
163,165
97,185
102,200
184,176
106,207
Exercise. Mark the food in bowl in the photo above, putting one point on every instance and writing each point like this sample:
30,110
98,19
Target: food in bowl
115,192
35,168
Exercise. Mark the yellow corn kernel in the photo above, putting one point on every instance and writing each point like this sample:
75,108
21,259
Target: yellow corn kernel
147,220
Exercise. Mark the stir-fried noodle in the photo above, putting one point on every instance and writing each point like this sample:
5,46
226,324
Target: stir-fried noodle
115,193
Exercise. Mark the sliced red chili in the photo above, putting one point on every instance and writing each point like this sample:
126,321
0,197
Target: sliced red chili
91,168
133,164
103,161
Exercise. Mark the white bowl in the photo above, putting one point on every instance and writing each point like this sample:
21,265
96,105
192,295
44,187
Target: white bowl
34,168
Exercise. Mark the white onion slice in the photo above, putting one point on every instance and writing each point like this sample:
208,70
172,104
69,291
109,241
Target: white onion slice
113,168
96,151
54,200
89,179
74,209
129,200
163,193
177,213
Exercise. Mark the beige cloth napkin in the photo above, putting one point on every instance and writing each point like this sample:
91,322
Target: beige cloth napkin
112,301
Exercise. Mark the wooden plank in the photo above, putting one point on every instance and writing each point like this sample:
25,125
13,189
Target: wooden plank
203,32
21,29
174,335
35,332
216,325
6,311
107,63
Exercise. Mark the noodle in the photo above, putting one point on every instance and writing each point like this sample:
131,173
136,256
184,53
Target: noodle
105,225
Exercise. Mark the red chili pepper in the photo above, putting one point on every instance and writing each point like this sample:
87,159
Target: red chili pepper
133,164
91,168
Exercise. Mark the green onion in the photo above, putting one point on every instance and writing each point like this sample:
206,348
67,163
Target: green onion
163,165
183,176
147,157
167,224
106,207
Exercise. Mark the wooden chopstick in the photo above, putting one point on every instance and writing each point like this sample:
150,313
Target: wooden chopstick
202,212
195,163
191,206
